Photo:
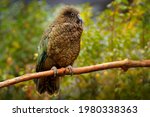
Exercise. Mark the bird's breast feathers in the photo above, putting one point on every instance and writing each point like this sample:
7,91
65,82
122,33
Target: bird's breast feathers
64,43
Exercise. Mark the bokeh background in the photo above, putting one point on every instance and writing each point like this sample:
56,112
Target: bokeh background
113,30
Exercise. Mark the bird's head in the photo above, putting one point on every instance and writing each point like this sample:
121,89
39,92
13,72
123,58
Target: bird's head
70,14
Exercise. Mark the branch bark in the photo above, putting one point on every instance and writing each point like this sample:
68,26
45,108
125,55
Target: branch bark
124,64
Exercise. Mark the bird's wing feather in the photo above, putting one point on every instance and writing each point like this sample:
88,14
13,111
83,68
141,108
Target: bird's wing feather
42,50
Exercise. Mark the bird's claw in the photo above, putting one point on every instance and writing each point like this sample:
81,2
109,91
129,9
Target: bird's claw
70,68
55,71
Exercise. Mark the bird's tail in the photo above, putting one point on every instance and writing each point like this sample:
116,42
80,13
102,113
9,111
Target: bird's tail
49,84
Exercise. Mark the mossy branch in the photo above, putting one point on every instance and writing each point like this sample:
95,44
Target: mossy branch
124,64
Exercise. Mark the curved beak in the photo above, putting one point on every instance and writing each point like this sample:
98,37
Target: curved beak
80,21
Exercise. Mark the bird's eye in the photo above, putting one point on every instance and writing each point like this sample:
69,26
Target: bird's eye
72,14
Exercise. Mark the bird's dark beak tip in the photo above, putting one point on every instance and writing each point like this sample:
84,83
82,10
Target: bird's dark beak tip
80,21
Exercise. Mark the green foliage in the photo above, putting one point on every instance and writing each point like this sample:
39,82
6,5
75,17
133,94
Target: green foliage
121,31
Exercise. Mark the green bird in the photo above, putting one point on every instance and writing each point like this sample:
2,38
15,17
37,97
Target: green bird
59,47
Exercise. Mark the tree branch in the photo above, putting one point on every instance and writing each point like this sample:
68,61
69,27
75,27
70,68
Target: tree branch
124,64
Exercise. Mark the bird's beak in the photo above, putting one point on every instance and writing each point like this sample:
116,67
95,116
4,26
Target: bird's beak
80,21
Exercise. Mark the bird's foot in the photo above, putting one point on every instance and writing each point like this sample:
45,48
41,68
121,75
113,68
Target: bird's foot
55,71
70,68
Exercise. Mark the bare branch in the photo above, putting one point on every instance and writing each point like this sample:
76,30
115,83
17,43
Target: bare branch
124,64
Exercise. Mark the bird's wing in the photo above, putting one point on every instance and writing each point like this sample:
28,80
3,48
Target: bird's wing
42,50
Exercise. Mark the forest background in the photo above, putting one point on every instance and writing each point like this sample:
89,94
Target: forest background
120,31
